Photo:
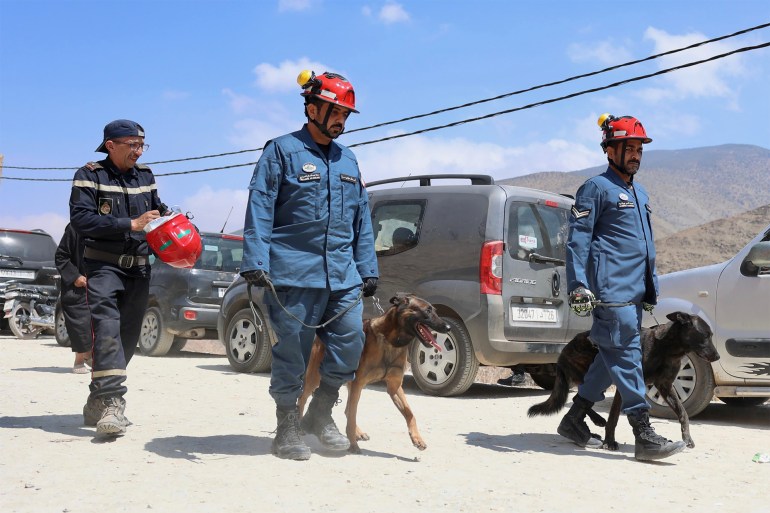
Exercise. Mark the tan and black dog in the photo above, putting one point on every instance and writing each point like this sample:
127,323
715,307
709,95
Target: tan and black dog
384,358
663,347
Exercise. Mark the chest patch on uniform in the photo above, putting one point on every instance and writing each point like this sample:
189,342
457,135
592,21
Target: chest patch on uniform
312,177
105,206
308,167
578,213
625,204
348,178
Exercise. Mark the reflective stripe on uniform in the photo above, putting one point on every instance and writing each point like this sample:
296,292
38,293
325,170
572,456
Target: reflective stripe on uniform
88,184
108,372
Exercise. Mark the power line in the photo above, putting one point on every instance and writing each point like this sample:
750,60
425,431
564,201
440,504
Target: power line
469,120
448,109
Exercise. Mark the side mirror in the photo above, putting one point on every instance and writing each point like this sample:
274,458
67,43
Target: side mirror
758,257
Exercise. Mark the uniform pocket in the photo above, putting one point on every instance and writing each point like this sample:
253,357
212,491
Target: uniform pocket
605,330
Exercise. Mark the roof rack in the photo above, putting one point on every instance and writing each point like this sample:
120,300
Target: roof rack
425,180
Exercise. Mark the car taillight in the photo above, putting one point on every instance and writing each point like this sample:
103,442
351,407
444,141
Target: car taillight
190,315
491,268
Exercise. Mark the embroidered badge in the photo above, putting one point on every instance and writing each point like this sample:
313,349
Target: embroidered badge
625,204
105,206
314,177
623,196
348,178
308,167
578,214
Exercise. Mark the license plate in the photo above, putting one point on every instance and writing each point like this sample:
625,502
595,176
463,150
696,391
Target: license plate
531,314
17,273
221,292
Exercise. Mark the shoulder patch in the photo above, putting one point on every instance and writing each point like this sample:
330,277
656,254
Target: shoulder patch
578,214
93,166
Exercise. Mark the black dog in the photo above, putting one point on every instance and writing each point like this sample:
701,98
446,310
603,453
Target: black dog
663,347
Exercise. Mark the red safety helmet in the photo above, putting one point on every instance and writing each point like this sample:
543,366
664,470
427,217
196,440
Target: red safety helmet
622,128
329,87
175,240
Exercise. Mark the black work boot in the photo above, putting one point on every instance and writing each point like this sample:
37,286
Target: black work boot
574,427
649,445
318,419
287,443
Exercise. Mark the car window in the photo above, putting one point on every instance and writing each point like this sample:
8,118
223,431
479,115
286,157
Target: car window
396,226
27,246
220,254
537,229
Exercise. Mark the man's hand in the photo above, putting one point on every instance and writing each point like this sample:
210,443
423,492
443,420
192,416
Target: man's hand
257,278
138,224
581,300
370,286
648,307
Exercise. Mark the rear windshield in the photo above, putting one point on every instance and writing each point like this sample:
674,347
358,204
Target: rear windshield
537,229
220,254
30,247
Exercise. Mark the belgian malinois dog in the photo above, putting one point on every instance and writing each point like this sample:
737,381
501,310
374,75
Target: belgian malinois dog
663,347
384,358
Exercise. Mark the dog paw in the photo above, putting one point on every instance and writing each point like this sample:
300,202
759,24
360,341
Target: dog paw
420,444
610,446
690,443
361,436
354,449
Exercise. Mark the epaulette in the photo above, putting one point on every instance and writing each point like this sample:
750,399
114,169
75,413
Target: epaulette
93,166
142,167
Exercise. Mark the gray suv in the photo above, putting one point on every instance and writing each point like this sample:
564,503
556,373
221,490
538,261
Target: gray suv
489,257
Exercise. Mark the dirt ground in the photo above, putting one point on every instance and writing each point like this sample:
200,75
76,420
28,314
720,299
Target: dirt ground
200,442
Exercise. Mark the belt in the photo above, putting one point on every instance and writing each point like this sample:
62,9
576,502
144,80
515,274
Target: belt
124,261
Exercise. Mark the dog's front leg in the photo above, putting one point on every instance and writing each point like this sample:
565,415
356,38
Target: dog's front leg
612,422
672,399
351,411
396,392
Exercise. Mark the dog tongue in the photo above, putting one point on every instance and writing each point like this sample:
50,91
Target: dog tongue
427,336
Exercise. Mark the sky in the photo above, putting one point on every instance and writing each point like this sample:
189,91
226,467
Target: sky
208,77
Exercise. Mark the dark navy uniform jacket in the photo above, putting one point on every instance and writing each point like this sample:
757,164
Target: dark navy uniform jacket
308,222
103,201
611,250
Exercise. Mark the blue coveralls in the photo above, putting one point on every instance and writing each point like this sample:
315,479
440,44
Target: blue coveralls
77,319
102,203
611,252
308,225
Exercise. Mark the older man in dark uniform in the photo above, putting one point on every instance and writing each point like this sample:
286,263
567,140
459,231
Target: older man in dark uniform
111,202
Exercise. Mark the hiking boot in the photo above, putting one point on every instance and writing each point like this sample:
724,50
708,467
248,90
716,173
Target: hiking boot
649,445
93,410
287,443
112,422
318,419
573,426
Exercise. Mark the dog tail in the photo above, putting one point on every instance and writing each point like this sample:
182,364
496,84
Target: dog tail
557,399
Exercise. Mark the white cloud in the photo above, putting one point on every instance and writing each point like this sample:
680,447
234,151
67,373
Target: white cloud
283,78
711,79
239,103
606,53
294,5
393,12
212,207
423,155
254,133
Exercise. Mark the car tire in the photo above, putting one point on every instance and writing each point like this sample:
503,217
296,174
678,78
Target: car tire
248,348
14,322
449,372
545,379
154,340
694,384
744,402
62,337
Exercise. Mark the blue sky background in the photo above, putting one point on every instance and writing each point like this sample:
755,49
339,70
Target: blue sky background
209,77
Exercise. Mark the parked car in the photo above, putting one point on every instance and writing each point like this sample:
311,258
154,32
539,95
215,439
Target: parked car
489,257
27,256
184,303
733,297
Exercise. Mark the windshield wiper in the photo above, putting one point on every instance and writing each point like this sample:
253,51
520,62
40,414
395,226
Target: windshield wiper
10,257
537,257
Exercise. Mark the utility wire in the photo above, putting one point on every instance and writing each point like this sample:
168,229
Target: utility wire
479,118
448,109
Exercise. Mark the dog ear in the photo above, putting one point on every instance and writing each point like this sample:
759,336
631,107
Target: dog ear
399,299
680,317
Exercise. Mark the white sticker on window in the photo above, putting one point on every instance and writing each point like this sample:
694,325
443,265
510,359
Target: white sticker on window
209,247
527,241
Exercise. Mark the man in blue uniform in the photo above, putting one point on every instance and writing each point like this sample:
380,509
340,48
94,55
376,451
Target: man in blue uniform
611,259
308,234
110,204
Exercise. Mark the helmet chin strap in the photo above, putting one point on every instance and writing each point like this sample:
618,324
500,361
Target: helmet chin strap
622,166
323,127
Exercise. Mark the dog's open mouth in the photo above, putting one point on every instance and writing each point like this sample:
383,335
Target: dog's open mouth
426,336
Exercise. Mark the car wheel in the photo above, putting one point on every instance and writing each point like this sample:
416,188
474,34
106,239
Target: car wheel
545,379
62,337
694,385
19,321
744,402
154,340
448,372
248,349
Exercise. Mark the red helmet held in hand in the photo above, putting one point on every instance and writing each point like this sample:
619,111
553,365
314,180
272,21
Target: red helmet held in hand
174,240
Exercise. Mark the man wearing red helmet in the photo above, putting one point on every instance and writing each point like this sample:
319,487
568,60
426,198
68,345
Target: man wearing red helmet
308,239
611,273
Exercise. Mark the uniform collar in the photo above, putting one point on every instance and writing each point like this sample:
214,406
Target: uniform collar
614,178
307,139
112,168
